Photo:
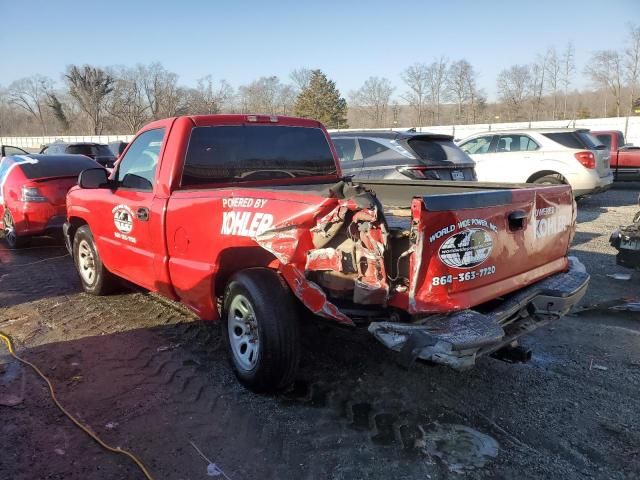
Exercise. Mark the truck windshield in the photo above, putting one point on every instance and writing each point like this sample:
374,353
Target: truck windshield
255,152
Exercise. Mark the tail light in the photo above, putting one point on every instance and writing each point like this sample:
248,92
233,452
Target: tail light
419,173
32,194
587,159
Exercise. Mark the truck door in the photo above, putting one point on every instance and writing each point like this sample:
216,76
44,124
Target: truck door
127,224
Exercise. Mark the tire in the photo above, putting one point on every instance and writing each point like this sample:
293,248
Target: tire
548,180
94,276
11,237
260,328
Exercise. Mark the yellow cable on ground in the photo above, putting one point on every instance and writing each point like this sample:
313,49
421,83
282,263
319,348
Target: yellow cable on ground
85,429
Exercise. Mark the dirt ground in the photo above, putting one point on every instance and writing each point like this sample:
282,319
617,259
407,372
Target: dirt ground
149,377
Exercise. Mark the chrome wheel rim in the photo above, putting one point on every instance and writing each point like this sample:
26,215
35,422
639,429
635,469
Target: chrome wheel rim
9,230
242,328
86,262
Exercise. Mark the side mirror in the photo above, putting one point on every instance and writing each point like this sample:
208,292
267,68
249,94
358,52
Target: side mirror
93,178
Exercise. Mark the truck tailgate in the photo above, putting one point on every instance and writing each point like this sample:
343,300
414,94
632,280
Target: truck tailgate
474,247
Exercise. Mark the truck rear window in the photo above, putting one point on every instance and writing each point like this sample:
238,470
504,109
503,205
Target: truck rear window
255,152
45,166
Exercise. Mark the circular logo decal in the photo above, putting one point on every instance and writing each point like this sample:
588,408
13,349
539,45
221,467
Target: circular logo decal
123,218
466,249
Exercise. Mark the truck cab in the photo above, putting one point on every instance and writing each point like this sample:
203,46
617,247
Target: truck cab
625,158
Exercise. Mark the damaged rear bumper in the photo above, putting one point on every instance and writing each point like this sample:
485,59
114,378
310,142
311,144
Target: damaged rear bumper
457,340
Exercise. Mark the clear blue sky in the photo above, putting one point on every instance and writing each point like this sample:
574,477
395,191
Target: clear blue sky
244,39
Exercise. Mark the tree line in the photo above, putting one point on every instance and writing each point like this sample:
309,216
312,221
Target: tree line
96,100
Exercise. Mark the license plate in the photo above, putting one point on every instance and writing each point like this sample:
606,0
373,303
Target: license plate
630,244
457,175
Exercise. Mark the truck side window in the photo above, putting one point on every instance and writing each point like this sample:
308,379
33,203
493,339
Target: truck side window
137,169
605,140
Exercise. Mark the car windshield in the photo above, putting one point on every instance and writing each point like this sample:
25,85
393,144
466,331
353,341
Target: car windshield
90,150
256,152
43,166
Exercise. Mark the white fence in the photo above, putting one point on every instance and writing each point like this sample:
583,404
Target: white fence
630,126
37,142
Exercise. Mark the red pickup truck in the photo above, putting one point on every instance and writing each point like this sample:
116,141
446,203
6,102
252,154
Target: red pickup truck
625,158
247,219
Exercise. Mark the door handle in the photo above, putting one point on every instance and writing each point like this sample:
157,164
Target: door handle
516,220
142,214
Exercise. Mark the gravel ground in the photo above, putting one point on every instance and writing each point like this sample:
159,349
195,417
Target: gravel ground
147,376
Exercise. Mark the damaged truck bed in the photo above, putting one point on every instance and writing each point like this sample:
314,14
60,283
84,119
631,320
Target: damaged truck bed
241,214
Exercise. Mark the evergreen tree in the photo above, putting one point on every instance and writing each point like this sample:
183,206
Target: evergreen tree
321,100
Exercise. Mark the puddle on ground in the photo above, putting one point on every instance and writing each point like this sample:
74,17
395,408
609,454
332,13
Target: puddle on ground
459,447
12,382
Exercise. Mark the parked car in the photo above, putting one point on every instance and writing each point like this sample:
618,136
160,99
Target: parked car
625,158
117,147
545,156
370,155
6,150
33,191
453,272
99,152
626,240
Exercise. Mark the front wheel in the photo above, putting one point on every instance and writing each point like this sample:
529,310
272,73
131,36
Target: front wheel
94,276
261,330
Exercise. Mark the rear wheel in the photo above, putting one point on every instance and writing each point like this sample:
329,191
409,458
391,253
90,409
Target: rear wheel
10,233
549,180
261,330
94,276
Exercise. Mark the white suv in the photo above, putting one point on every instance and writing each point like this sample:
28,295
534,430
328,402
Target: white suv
546,156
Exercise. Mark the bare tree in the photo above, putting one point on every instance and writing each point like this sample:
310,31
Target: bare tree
436,84
161,91
537,71
30,95
477,101
210,97
261,96
632,63
566,73
513,88
553,68
605,70
90,86
301,78
128,103
461,84
286,99
415,77
374,97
